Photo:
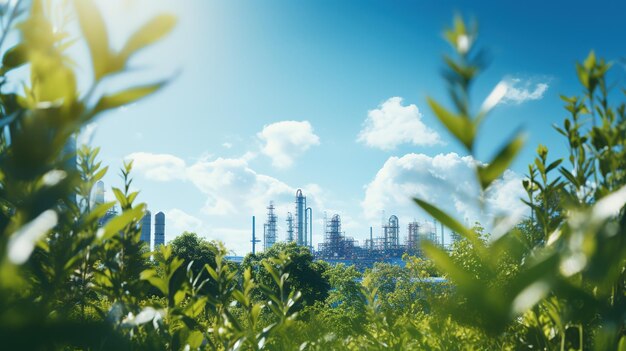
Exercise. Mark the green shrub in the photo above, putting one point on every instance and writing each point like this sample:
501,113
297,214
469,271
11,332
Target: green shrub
67,281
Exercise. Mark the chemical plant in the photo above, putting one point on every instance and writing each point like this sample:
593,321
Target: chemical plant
153,240
337,247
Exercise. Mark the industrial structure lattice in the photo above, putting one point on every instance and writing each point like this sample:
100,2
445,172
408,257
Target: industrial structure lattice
337,247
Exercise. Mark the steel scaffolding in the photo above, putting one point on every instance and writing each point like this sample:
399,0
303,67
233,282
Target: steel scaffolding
336,244
269,229
413,240
290,236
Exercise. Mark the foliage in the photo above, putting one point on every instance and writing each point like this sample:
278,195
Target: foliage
54,257
71,280
305,274
196,252
344,307
573,252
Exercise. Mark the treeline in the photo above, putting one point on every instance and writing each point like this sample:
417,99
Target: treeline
554,281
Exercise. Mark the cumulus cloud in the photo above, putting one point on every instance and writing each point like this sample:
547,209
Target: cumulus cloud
519,91
231,186
445,180
392,124
179,221
284,141
159,167
233,191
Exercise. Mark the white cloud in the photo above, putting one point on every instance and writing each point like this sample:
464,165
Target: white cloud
159,167
284,141
392,124
231,186
227,145
519,91
234,193
178,221
445,180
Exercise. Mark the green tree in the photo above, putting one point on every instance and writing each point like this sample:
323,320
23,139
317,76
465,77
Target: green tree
196,253
304,274
343,311
192,248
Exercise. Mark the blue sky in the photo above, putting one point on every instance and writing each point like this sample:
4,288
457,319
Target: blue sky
329,96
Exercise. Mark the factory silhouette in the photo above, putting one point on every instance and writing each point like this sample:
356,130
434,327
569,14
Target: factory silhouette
337,247
147,236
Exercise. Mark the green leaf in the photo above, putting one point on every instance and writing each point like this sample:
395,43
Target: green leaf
537,269
121,198
240,297
567,174
94,29
447,265
148,34
554,165
151,276
540,166
174,266
194,309
126,97
194,340
179,297
461,127
212,272
132,196
272,271
116,224
101,173
590,61
622,343
15,57
166,251
449,222
99,211
501,162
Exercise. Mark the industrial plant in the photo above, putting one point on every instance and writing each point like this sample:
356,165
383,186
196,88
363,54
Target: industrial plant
146,235
337,247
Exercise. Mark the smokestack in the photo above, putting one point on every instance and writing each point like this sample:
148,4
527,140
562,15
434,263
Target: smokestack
254,239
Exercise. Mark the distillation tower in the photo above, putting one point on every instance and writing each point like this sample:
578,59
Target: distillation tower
336,244
391,234
269,229
304,221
